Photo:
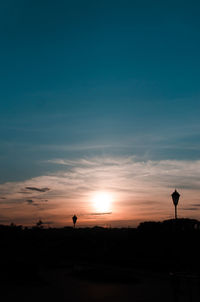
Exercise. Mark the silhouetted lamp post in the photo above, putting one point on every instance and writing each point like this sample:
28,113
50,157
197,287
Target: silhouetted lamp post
175,197
74,218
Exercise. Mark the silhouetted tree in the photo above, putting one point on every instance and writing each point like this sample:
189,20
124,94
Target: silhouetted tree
74,219
39,224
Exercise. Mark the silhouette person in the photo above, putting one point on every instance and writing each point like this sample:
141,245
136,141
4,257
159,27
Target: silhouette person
74,218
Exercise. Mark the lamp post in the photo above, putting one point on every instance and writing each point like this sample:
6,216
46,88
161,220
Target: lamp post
175,197
74,219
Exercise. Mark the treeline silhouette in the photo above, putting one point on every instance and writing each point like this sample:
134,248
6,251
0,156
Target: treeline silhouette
171,245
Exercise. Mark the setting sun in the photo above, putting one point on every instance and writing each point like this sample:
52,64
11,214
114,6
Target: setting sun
102,202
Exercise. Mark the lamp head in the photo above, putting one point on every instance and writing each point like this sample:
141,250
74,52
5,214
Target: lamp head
175,197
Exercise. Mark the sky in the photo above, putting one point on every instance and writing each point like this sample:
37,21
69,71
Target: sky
99,99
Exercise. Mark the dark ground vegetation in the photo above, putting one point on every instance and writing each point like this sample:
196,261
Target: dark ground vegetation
37,259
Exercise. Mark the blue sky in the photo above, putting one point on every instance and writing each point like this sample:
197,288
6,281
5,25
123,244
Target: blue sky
87,79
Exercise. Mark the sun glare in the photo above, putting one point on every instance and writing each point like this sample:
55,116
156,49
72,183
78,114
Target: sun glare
102,202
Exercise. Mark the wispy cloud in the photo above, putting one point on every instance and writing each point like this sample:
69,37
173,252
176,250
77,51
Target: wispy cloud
190,209
29,201
140,189
99,214
37,189
37,201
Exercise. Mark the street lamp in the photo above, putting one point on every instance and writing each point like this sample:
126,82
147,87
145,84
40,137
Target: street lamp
74,219
175,197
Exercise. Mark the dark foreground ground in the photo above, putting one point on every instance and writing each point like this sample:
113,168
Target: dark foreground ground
155,262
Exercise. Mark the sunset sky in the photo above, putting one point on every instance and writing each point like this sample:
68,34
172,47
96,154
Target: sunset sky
99,111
